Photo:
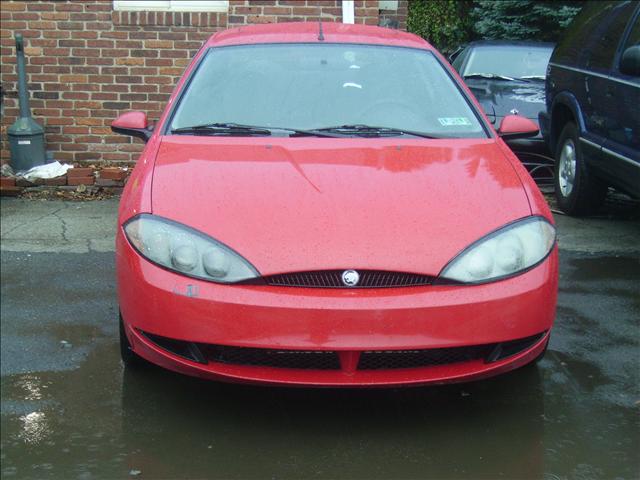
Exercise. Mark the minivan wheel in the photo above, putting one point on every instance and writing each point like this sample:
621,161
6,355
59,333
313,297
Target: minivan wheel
578,191
129,358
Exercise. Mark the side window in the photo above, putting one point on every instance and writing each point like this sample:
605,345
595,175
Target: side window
634,35
604,40
571,49
459,60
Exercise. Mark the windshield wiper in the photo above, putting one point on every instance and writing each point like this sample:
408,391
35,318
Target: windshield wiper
490,76
371,131
223,129
532,77
240,130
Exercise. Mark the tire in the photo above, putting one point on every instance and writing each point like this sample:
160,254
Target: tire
128,356
578,191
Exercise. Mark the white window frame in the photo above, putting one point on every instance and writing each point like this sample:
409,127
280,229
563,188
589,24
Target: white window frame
172,5
388,5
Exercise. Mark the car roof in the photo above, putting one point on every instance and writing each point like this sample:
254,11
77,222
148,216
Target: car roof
510,43
307,32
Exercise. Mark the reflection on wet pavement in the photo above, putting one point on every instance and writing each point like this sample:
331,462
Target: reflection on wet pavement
575,415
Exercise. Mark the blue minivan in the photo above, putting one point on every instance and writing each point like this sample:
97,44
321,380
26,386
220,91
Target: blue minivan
592,122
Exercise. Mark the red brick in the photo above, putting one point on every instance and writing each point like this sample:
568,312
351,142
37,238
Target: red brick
23,182
7,181
57,181
75,181
129,61
79,172
277,10
306,10
112,174
247,10
261,19
54,15
42,25
14,25
10,191
158,44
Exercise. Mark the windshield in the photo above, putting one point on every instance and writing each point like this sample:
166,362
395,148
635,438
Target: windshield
509,61
315,86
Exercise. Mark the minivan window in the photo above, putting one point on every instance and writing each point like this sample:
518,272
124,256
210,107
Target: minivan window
571,50
606,36
634,35
313,86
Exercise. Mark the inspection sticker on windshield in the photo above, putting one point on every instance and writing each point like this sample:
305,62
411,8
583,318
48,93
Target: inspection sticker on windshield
453,121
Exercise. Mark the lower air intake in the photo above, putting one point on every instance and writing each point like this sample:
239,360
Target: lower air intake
393,359
329,360
266,357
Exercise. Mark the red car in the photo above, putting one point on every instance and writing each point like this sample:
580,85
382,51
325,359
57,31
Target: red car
327,205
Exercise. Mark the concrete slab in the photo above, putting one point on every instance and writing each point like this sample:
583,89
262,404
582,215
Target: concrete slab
57,226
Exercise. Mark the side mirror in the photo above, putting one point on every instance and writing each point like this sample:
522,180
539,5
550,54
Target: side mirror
134,124
515,126
630,61
455,53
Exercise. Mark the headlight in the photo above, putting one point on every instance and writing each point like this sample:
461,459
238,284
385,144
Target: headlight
504,252
184,250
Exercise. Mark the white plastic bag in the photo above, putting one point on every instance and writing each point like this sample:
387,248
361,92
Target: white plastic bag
49,170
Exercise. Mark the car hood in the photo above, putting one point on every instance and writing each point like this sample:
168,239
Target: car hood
500,97
300,204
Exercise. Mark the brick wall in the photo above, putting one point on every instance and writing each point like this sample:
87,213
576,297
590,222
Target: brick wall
87,63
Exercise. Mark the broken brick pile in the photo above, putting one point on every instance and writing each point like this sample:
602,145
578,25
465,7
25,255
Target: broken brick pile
111,179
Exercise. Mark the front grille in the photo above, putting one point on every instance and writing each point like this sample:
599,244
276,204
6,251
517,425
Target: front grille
333,279
265,357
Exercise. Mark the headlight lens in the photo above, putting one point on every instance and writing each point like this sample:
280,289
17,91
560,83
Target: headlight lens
503,253
184,250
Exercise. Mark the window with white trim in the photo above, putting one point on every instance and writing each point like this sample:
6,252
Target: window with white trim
172,5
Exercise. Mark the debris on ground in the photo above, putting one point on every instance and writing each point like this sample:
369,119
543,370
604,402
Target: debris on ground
81,193
6,171
62,181
48,170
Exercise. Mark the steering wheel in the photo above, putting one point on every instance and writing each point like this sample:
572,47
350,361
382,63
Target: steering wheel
386,109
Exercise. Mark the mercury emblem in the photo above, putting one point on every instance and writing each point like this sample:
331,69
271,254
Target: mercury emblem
350,278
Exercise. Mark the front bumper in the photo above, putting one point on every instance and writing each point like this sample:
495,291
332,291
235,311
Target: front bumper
348,322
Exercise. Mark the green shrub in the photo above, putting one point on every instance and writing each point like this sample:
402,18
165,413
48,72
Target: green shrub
446,24
443,23
522,19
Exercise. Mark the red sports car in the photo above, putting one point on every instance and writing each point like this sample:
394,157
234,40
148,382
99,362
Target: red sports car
326,204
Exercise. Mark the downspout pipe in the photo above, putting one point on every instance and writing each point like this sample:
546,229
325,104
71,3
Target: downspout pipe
26,136
348,15
23,95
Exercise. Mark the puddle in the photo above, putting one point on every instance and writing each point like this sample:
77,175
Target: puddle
573,416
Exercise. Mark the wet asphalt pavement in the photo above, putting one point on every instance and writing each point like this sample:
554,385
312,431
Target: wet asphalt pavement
69,410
